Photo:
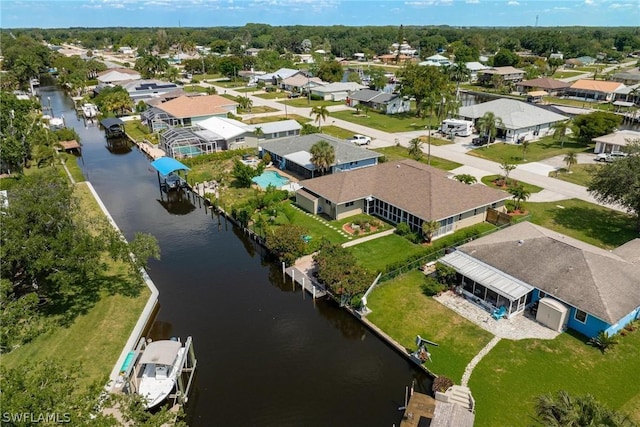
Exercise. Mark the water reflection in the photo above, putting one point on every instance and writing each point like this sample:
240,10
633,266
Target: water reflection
176,202
119,145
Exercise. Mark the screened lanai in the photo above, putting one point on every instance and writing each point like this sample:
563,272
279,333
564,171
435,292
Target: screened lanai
188,142
488,286
156,119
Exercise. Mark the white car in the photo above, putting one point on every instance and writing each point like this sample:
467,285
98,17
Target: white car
360,140
609,157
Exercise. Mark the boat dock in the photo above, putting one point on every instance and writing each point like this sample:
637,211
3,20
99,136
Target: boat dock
302,274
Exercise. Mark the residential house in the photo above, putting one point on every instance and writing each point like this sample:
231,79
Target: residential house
474,68
187,111
252,51
359,56
573,284
436,60
117,75
300,83
616,141
629,94
145,89
520,119
550,86
593,90
126,50
392,58
305,58
402,191
506,75
336,91
293,154
278,76
384,102
631,77
279,129
557,55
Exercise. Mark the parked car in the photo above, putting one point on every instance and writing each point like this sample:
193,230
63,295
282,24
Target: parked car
609,157
481,140
360,140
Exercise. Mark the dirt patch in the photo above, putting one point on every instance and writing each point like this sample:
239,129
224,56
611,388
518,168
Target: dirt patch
355,230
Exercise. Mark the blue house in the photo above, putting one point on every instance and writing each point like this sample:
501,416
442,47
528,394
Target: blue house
570,283
292,154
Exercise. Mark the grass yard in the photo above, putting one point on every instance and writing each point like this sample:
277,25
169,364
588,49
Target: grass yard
303,102
362,217
195,88
539,150
136,130
581,174
564,74
317,230
400,153
257,110
402,310
506,382
269,119
376,254
386,122
96,337
488,180
271,95
584,221
337,132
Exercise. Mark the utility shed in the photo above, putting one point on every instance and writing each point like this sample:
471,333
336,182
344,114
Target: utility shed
552,313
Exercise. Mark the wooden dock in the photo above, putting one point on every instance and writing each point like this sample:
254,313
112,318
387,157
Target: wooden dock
306,282
419,411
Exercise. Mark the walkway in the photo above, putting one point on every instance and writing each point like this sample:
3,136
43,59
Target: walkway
478,357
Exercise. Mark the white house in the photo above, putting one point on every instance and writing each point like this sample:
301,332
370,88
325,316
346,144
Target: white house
336,91
615,141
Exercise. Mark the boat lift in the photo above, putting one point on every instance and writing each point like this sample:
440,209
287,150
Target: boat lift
422,354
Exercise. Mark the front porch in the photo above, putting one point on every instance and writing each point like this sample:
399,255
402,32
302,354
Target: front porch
516,327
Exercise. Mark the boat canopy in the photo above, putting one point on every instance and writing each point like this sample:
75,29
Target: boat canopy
161,352
111,121
167,165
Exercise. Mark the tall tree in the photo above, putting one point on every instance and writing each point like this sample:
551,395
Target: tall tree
560,130
619,182
489,124
415,148
593,125
320,113
427,85
323,155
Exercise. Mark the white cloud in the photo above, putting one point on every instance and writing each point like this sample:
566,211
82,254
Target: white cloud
472,1
621,6
429,3
513,3
589,2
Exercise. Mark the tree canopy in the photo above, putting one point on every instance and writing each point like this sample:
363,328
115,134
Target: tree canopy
593,125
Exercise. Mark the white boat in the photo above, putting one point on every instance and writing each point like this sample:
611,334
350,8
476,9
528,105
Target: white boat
160,364
89,110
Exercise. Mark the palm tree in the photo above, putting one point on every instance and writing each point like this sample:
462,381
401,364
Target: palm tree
415,148
321,113
428,228
245,103
565,410
258,132
465,178
323,155
489,124
570,159
520,194
560,130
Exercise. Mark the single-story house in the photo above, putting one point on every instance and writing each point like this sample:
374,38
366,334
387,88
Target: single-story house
615,141
292,154
474,68
126,50
336,91
388,103
279,129
507,74
436,60
631,77
576,285
142,90
187,111
402,191
276,77
593,90
553,87
392,58
628,94
300,83
117,75
520,119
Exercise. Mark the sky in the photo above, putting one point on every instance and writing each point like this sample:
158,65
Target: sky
212,13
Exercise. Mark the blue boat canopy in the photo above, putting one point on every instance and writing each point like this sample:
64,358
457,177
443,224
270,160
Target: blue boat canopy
167,165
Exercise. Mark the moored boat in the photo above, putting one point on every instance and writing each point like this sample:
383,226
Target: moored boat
160,364
89,110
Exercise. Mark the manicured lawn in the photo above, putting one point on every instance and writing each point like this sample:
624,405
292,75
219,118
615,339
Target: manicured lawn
337,132
539,150
386,122
257,110
400,153
96,337
376,254
195,88
303,102
382,226
247,89
271,95
317,229
565,74
507,380
488,180
269,119
581,174
402,310
584,221
136,130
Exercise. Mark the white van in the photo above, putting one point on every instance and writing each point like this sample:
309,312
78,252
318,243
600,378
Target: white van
456,127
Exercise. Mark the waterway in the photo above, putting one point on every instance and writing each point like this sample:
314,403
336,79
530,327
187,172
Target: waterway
268,355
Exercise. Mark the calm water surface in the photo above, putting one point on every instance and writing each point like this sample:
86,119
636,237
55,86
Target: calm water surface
267,354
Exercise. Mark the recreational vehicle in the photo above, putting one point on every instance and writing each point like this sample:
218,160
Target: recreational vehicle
456,127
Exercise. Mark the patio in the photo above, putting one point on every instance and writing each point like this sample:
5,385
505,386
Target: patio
519,326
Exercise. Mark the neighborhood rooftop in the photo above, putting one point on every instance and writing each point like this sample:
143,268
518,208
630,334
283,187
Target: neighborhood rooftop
514,114
196,106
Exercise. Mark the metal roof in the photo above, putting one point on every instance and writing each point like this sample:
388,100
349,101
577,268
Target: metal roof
167,165
161,352
486,275
514,114
110,121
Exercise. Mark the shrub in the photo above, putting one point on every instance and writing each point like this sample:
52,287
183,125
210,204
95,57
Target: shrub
402,229
510,205
267,158
604,341
446,275
441,384
432,287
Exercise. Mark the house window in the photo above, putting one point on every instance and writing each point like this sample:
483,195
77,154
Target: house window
580,316
241,139
348,204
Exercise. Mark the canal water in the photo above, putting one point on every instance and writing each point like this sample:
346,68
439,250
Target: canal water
268,355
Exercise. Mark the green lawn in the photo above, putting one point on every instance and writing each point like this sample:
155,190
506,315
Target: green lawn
337,132
136,130
584,221
506,382
303,102
539,150
488,180
269,119
564,74
386,122
317,230
581,174
399,153
257,110
194,88
376,254
96,337
271,95
402,310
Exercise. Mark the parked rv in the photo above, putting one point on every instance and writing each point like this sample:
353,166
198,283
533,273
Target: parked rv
456,127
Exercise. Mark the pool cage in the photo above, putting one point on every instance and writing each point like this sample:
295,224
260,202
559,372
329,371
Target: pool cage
188,142
156,119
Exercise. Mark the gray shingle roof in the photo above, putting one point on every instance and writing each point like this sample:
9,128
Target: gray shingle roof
345,151
279,126
514,114
368,95
421,190
600,282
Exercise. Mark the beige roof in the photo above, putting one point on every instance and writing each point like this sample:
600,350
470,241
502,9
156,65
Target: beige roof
421,190
119,70
600,282
502,71
596,85
544,83
537,93
196,106
301,80
620,137
69,145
